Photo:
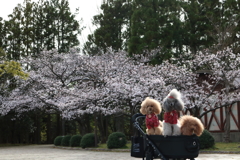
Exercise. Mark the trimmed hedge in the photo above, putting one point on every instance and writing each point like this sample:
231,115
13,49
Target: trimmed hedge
206,140
65,140
58,140
116,140
88,140
75,141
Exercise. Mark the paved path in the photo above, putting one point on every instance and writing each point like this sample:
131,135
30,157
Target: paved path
49,152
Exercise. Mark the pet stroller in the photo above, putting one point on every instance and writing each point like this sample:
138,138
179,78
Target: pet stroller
162,147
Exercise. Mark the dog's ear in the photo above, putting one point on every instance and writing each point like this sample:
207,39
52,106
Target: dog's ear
143,110
157,108
199,127
167,105
179,105
143,107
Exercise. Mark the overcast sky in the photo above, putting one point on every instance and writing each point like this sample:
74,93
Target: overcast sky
87,9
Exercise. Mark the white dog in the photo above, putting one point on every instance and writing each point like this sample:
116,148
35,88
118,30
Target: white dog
172,104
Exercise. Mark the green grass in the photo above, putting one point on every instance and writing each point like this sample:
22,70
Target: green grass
10,145
104,146
221,146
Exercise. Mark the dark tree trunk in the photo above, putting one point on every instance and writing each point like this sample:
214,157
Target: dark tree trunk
119,123
63,126
84,124
103,128
226,137
95,129
37,133
49,131
59,130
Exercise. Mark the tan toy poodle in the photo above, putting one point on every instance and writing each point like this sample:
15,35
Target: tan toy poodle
191,125
151,108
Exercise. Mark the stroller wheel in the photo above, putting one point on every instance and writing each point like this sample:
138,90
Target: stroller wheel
149,156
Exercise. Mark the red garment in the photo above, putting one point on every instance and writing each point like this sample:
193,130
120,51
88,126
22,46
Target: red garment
152,121
171,117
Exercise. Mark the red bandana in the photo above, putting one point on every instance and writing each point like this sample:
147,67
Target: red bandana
152,121
171,117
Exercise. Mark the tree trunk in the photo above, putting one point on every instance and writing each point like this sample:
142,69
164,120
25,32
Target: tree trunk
227,116
95,129
58,125
49,132
37,133
84,124
119,123
226,137
103,128
63,127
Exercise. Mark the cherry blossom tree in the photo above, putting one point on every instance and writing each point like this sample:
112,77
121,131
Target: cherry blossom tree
208,81
74,85
114,84
224,76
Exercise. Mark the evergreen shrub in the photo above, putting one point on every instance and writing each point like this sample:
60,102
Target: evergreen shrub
66,140
116,140
75,140
206,140
88,140
58,140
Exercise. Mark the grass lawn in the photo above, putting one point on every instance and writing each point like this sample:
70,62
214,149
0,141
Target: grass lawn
104,146
10,145
219,146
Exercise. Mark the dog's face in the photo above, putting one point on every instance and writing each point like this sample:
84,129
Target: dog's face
150,106
149,109
171,104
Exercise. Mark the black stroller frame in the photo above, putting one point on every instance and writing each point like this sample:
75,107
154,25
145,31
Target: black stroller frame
165,147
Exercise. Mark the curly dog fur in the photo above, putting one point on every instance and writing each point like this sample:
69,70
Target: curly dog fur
172,104
191,125
151,108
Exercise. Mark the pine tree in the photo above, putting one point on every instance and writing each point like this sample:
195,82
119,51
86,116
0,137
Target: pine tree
196,22
13,35
49,26
113,24
27,23
67,27
152,27
1,32
39,29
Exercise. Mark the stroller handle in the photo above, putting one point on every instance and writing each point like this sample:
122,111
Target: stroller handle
136,116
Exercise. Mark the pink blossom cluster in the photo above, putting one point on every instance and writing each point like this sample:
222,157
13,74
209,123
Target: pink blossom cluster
74,84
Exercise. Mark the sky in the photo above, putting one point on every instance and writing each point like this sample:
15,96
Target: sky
87,9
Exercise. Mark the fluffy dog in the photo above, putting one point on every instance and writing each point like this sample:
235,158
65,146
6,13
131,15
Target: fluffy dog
172,104
151,108
191,125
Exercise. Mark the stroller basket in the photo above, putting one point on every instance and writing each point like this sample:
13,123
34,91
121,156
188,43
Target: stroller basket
166,147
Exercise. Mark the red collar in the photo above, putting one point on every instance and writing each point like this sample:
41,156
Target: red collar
152,115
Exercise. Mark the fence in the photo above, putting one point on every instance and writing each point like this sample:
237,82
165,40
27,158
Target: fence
215,120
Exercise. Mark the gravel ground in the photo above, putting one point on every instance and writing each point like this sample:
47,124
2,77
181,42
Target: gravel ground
49,152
